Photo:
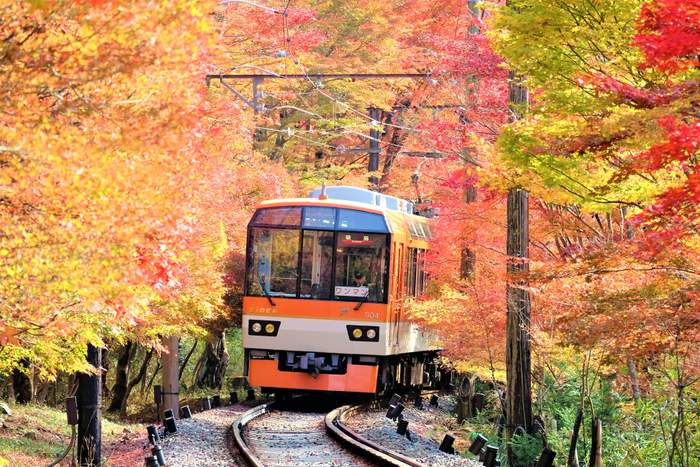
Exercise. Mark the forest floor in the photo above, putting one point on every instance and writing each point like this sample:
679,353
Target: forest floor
38,435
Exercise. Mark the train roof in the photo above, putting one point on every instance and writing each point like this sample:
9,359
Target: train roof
350,197
360,195
398,220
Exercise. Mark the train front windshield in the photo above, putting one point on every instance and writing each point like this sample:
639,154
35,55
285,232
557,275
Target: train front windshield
318,253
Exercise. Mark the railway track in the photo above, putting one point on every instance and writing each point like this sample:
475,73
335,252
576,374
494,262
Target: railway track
267,437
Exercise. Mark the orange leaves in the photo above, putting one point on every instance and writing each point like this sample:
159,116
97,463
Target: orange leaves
102,173
7,335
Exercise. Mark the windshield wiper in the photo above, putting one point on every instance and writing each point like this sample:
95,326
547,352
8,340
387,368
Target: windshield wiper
359,304
262,286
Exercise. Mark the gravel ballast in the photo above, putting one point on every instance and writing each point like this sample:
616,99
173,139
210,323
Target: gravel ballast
375,427
204,439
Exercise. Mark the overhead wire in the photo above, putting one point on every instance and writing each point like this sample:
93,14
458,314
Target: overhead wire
287,47
328,133
315,86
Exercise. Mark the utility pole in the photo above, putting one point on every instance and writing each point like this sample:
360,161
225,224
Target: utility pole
90,411
518,390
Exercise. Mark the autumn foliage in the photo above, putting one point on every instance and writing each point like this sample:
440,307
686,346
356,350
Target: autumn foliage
101,147
127,177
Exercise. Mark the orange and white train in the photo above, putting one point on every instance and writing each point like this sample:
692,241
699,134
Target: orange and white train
325,286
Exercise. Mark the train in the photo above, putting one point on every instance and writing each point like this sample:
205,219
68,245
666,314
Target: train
326,283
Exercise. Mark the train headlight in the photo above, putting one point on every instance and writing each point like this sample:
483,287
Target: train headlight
363,333
263,328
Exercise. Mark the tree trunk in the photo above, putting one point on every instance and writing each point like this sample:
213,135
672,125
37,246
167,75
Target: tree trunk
213,364
468,260
73,383
11,396
105,367
398,137
633,378
22,384
468,264
465,401
41,392
573,453
518,389
592,460
628,228
121,377
150,382
187,359
144,381
134,382
89,412
6,384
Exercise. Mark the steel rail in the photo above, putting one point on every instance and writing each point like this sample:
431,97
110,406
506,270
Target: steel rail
245,451
336,426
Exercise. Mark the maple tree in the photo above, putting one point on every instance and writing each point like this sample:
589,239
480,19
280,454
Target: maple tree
632,147
609,149
103,228
127,180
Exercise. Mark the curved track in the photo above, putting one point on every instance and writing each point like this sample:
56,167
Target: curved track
283,438
335,423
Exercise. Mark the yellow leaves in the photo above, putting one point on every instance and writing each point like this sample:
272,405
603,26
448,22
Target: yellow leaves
38,4
104,150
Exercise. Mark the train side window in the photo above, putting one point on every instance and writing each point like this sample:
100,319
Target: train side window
418,230
426,230
273,261
407,271
421,273
286,216
361,266
414,272
412,228
316,264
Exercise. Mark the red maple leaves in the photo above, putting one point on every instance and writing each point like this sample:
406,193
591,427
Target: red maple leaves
669,34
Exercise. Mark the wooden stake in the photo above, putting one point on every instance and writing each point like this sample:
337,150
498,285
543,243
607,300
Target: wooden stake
599,453
575,456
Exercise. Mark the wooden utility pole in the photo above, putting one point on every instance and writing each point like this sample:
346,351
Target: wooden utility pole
90,411
518,390
170,379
